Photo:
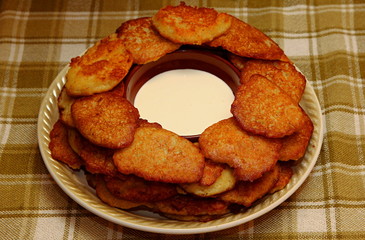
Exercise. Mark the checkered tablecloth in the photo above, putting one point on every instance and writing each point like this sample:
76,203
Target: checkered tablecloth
325,39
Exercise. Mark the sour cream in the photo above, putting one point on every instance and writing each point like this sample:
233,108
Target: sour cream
185,101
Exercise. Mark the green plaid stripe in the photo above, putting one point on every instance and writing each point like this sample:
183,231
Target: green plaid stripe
326,40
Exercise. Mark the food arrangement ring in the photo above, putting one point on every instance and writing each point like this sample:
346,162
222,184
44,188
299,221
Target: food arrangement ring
198,59
74,183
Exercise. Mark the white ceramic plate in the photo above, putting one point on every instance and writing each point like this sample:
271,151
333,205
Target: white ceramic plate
74,184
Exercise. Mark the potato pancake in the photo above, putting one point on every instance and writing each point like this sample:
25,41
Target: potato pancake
143,41
100,69
283,74
295,145
190,25
157,154
106,196
60,147
137,189
245,193
249,155
262,108
64,103
285,174
247,41
224,182
106,119
191,206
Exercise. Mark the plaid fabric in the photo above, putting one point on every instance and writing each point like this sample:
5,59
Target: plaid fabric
326,40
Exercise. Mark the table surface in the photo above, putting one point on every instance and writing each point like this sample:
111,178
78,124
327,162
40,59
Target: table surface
325,39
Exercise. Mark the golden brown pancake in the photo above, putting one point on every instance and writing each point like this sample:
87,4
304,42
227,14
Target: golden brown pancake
64,103
190,206
247,41
136,189
157,154
262,108
143,41
245,193
249,155
285,174
100,69
98,159
190,25
76,140
211,172
295,145
106,196
106,119
60,148
283,74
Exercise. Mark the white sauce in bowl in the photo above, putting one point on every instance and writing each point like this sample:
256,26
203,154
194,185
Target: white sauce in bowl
184,101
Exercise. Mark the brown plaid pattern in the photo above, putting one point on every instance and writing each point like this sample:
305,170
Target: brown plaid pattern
325,39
